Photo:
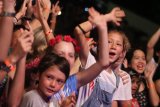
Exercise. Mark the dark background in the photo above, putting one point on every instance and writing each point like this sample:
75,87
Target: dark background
73,13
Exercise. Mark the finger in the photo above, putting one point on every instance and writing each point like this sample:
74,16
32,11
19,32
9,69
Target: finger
26,35
125,78
91,11
123,74
125,82
57,3
28,26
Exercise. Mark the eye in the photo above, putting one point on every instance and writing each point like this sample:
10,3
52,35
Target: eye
60,54
119,44
49,77
136,57
60,82
109,41
71,55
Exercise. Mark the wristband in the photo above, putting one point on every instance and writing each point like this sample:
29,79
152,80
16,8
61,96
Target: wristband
8,14
9,64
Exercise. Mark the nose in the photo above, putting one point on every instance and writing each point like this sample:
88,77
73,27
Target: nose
53,83
113,46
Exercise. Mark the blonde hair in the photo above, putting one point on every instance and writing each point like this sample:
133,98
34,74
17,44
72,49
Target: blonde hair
126,43
40,43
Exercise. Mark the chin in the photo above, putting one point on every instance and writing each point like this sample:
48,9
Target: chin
140,71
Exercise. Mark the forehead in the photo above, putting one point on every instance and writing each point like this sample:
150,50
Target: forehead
138,53
55,72
115,36
135,78
64,46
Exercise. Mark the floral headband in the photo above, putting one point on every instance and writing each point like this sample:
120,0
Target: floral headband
34,63
66,38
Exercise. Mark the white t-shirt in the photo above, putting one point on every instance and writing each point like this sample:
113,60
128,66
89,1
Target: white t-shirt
33,99
107,82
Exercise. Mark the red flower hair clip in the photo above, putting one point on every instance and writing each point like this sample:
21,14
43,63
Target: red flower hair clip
66,38
34,63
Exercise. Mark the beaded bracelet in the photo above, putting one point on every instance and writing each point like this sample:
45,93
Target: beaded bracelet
48,32
3,84
4,67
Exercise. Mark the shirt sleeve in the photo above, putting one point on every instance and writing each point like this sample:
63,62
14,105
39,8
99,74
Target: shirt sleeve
123,92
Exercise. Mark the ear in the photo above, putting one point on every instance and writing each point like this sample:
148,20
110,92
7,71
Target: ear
123,54
158,54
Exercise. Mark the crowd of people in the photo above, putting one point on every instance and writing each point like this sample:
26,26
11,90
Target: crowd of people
39,68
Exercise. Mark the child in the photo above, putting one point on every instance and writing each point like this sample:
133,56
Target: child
135,78
54,71
67,47
147,94
100,91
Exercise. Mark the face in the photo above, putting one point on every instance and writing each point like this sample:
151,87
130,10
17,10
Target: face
135,84
115,41
138,61
66,49
51,81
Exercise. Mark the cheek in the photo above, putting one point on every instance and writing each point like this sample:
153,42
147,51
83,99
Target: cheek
71,62
133,62
58,87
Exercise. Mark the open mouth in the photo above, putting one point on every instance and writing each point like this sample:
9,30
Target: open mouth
112,54
140,67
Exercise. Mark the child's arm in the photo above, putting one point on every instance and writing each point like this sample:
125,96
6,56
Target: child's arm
151,43
48,32
54,11
115,15
6,27
21,13
45,5
80,36
103,62
153,95
23,46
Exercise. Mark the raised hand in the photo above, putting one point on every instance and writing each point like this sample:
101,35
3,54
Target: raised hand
38,10
115,15
69,101
95,18
29,8
55,9
22,11
150,70
23,44
123,75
